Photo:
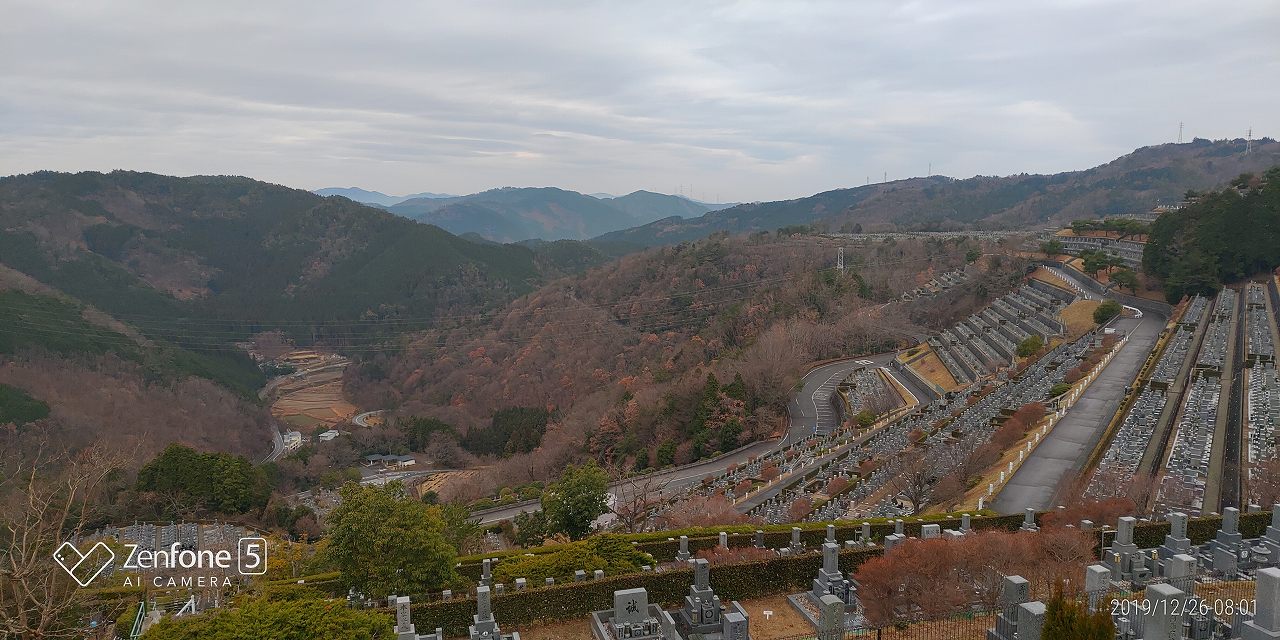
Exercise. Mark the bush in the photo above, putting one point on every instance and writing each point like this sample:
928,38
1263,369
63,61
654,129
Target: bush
1031,346
611,553
1106,311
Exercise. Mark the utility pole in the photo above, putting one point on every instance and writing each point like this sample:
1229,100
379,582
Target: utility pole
930,170
840,260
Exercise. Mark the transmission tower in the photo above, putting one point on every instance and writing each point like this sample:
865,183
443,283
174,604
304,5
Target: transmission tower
840,259
1248,142
1179,133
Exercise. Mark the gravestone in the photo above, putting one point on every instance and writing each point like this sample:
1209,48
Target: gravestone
1123,556
579,576
702,611
1097,581
1014,591
486,573
598,574
404,617
1271,539
632,617
964,522
1030,620
759,539
830,618
830,581
1226,546
724,539
735,627
831,533
1265,624
1029,520
404,628
892,540
930,531
484,626
1176,542
520,584
1163,619
683,554
1180,571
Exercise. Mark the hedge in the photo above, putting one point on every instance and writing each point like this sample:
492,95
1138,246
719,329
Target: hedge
660,547
1148,535
668,588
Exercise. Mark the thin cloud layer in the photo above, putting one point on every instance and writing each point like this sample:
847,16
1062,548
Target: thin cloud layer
742,100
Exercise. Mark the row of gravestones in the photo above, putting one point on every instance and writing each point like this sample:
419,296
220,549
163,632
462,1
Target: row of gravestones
1169,611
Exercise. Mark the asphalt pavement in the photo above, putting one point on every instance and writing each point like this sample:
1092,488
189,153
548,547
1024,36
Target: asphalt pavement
1069,443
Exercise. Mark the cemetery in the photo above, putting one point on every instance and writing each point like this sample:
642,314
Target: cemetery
1206,559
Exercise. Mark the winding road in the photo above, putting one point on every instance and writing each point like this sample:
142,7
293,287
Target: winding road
808,412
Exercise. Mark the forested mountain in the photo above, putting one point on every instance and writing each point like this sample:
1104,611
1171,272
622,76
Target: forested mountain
1134,182
666,355
545,213
1222,236
122,295
246,252
647,206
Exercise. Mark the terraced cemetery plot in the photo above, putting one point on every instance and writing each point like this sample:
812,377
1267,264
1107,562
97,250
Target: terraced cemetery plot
932,369
1077,317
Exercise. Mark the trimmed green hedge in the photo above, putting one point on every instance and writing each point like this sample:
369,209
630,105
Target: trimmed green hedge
668,588
1200,530
660,547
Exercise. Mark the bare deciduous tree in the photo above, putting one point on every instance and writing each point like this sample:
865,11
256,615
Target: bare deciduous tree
636,500
47,499
913,479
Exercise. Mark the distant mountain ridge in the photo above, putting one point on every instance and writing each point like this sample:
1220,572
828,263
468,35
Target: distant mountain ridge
1134,182
374,197
511,214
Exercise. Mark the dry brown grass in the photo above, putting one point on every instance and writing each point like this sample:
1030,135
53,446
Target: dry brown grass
1078,317
317,398
1046,276
932,369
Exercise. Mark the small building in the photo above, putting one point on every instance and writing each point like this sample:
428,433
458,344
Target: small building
328,435
389,461
292,440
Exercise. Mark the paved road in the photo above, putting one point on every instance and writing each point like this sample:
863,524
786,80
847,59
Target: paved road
806,410
809,410
1068,445
362,420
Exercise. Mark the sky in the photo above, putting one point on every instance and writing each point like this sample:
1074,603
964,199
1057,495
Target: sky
723,101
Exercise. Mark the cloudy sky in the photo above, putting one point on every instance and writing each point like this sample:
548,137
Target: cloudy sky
736,100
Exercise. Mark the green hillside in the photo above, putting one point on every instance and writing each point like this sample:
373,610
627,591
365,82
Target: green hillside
1223,236
17,407
194,265
43,323
250,253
